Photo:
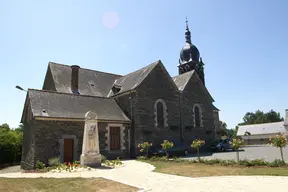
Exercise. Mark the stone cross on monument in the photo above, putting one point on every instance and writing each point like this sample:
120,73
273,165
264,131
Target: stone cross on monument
90,149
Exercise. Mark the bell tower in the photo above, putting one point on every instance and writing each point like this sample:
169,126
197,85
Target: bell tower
190,57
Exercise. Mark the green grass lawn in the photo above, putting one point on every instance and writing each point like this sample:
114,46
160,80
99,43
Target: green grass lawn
67,184
203,170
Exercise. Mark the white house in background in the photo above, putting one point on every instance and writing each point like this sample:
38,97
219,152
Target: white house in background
260,133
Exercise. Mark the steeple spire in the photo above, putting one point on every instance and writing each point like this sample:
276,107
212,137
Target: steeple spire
187,33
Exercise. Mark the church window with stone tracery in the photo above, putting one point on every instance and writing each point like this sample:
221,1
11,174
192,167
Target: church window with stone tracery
197,116
160,113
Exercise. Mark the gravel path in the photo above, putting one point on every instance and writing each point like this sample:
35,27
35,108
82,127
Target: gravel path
140,174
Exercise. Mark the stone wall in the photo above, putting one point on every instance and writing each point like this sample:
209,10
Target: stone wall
217,124
103,141
125,101
42,140
195,94
48,136
157,85
28,146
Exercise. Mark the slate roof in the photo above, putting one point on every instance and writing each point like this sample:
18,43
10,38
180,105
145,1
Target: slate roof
215,108
63,105
261,129
91,82
132,80
182,80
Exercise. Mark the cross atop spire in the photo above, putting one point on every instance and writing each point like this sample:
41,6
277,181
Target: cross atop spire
187,33
187,28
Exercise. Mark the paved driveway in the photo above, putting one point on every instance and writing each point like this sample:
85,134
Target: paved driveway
269,153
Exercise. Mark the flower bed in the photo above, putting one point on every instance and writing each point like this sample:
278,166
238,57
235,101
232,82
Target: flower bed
67,167
56,167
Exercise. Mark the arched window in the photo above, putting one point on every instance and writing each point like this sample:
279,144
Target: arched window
160,113
197,116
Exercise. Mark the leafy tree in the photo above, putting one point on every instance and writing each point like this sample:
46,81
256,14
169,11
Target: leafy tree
223,128
236,144
279,141
258,117
4,127
235,132
231,133
167,145
223,125
10,144
144,147
197,143
20,128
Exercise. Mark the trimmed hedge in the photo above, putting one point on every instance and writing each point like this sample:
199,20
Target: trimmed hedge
244,163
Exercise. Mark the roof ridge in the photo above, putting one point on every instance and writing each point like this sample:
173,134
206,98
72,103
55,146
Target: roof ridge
50,62
192,71
261,124
71,94
153,63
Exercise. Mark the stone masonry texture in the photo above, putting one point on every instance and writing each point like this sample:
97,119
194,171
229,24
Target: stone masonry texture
41,140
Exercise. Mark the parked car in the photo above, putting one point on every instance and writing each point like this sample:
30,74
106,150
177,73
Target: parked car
179,149
221,145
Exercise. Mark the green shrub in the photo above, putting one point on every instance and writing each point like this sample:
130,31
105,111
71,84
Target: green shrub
118,161
112,163
54,161
143,158
215,161
258,162
276,163
156,158
103,159
39,165
245,162
77,162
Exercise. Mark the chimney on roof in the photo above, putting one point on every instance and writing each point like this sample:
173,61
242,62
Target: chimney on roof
75,79
286,119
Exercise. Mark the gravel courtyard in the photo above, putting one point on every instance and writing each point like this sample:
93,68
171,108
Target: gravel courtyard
269,153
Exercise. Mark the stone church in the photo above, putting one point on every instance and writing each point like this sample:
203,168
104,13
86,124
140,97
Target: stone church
144,105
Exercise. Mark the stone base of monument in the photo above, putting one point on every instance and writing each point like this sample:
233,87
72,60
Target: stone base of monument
90,160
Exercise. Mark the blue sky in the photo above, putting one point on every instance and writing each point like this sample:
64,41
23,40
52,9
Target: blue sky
244,45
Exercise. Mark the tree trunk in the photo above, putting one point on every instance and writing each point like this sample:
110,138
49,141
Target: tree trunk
198,154
14,156
147,152
282,154
237,155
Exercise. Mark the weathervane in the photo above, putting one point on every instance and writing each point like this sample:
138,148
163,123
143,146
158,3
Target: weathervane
186,23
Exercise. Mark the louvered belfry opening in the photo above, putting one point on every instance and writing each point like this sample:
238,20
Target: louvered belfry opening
75,79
